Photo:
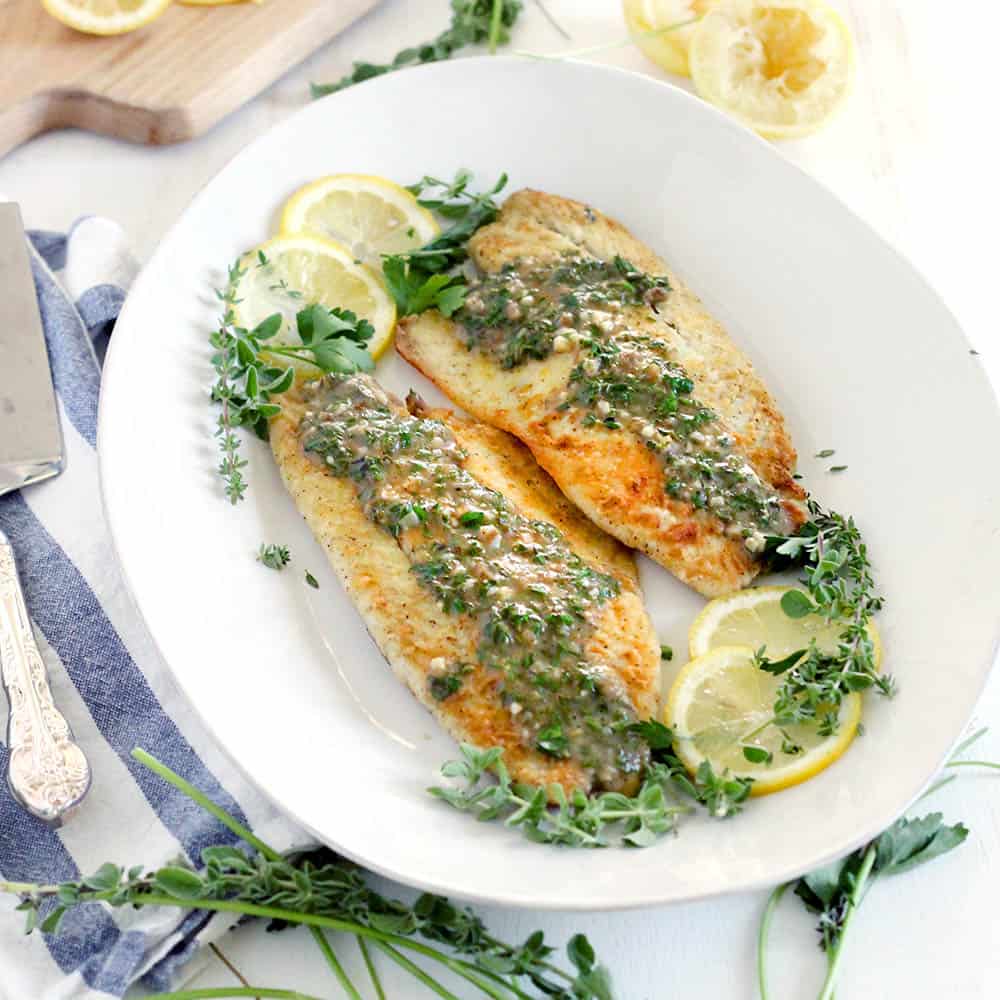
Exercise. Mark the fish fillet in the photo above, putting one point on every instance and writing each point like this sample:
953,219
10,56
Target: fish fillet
382,571
599,446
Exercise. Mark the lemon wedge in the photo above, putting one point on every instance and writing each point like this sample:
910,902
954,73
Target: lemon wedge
754,617
287,273
105,17
782,67
369,215
646,21
721,705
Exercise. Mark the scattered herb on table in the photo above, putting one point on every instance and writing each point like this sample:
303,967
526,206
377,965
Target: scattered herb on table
274,556
473,22
826,453
837,468
312,581
547,815
431,277
250,372
327,893
666,653
835,891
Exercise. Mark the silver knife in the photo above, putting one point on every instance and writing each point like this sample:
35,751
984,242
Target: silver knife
47,771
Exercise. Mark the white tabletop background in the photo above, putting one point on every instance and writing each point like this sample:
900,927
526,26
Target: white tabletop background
915,153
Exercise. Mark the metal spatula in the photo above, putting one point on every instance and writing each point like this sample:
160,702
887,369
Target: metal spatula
47,772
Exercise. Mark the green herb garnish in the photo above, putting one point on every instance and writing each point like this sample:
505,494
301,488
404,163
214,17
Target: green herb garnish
250,372
429,278
312,581
666,653
324,891
840,587
472,23
549,816
274,556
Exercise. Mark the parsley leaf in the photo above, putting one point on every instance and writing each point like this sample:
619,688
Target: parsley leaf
430,278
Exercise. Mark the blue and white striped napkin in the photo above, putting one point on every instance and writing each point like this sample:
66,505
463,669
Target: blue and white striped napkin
107,678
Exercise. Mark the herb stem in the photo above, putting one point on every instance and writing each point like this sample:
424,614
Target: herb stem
762,936
171,777
370,966
495,25
969,740
938,785
331,957
606,46
414,970
973,763
853,901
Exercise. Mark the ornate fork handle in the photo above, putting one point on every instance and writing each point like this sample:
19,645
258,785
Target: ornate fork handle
48,773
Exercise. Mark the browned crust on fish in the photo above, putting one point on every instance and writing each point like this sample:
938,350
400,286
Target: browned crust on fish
614,478
409,626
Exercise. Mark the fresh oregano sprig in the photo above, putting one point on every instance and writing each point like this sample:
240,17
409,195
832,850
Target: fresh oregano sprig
431,277
251,370
840,587
548,815
473,22
323,891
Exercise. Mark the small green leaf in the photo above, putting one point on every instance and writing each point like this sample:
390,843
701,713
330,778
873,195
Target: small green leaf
267,328
312,581
796,604
581,952
757,755
666,653
181,883
106,877
50,925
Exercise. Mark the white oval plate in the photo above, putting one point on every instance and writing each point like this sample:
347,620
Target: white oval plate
860,353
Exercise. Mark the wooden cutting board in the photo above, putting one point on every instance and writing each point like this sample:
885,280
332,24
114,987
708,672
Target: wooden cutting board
164,83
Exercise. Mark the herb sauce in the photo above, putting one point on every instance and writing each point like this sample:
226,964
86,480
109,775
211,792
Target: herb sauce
624,379
535,600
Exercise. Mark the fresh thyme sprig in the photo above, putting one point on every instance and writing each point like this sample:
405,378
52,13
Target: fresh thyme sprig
547,815
840,587
472,23
250,372
430,277
321,890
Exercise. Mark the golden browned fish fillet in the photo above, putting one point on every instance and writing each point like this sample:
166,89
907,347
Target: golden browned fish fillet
574,343
397,499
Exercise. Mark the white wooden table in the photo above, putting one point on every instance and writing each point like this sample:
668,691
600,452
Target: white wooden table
914,154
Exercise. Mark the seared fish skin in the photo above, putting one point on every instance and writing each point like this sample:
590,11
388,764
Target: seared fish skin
582,343
399,499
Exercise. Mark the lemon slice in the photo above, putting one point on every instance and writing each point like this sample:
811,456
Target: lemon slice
722,703
669,49
105,17
754,618
783,67
369,215
288,273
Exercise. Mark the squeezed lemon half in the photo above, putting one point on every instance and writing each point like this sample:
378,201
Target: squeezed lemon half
782,67
651,24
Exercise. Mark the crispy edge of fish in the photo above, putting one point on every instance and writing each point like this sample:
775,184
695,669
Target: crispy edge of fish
409,627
